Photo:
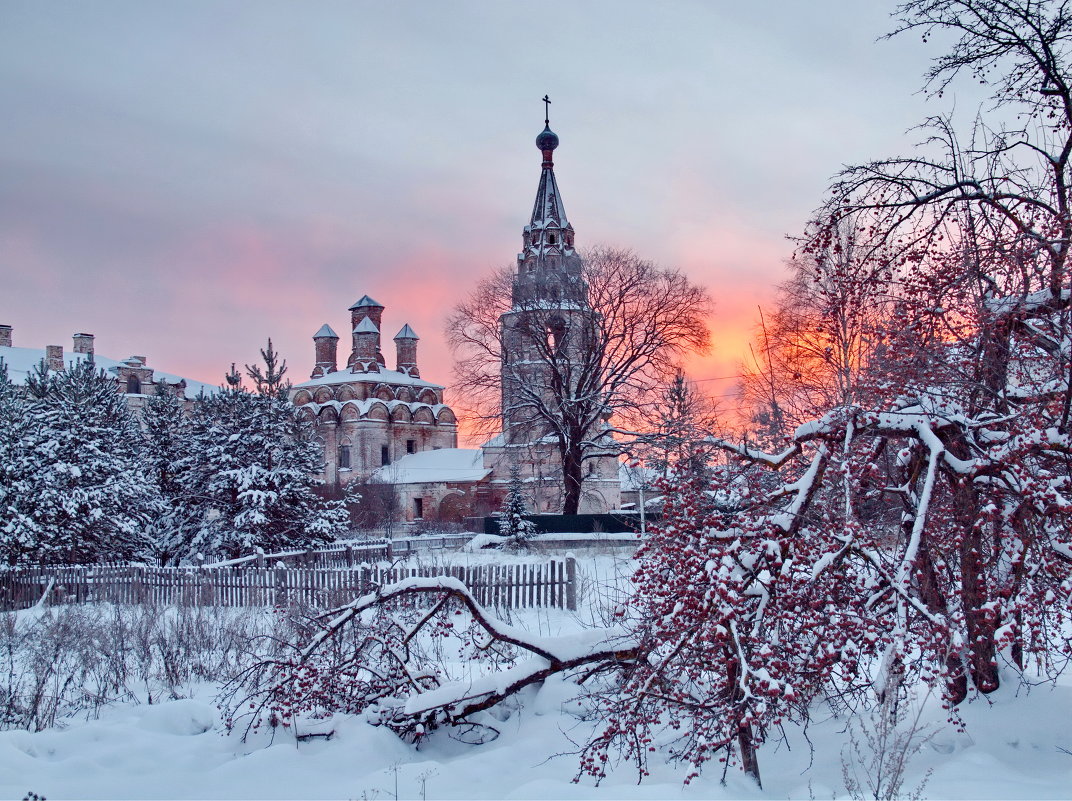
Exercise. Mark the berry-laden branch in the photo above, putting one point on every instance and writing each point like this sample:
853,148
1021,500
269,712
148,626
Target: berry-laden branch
383,655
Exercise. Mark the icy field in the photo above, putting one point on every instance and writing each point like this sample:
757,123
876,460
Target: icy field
177,749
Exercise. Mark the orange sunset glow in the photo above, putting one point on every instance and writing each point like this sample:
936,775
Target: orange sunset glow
201,197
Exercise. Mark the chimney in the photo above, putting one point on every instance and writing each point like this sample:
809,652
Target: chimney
83,343
143,359
326,343
366,308
366,345
5,336
54,357
406,347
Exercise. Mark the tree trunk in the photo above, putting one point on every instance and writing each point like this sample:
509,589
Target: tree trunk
931,595
974,594
979,620
572,480
745,740
749,757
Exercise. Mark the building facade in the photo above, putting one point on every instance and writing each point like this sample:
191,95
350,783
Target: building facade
133,377
365,415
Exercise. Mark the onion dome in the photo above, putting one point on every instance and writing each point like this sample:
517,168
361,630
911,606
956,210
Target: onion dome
548,139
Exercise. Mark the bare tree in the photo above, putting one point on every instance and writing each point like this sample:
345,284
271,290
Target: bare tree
674,427
819,342
1015,177
556,368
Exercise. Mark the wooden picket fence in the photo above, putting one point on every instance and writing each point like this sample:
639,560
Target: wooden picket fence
547,584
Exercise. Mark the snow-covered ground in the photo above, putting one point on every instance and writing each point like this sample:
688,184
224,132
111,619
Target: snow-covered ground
1012,748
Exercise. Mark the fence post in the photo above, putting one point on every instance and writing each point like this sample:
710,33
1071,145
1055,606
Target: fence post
571,583
280,599
349,556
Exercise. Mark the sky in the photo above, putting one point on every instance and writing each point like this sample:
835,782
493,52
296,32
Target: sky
186,180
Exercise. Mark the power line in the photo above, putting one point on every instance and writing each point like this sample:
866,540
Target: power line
715,378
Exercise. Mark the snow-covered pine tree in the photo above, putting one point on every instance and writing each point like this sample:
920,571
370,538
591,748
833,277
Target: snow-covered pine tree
168,441
512,522
12,424
250,477
74,488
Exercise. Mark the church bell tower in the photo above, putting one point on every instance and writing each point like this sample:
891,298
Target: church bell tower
547,346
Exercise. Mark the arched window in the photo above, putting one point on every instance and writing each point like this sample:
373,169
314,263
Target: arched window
133,385
344,457
551,239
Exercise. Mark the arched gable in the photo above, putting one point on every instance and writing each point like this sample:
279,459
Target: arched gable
301,397
378,411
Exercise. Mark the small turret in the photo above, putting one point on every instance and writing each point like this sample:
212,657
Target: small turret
366,355
366,308
326,344
406,348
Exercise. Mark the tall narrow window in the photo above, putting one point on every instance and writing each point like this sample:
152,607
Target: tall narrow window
133,385
418,507
411,446
385,455
344,457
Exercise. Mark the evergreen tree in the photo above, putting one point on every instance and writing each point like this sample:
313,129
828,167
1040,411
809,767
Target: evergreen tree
269,381
512,522
168,440
12,425
73,489
249,478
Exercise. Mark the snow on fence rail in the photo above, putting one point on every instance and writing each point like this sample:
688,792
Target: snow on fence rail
348,554
345,554
546,584
428,542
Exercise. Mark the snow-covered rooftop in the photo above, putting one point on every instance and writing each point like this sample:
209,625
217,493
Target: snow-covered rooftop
325,332
364,303
366,326
22,361
445,464
406,333
384,376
